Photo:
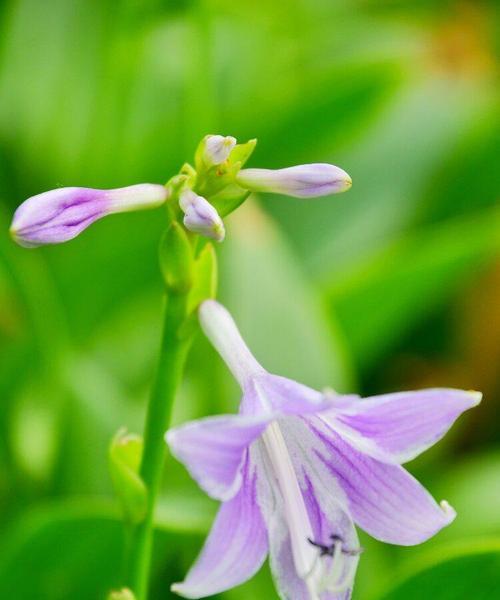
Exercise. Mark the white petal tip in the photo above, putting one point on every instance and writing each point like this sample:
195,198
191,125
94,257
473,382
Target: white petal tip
448,510
181,590
169,438
476,396
230,141
219,233
207,306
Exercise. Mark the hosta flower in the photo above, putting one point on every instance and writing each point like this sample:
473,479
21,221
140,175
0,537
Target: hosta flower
302,181
296,469
61,214
200,216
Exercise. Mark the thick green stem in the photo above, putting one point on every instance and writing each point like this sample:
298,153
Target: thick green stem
168,377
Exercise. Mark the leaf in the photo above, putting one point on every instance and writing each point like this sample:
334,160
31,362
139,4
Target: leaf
176,259
205,277
473,487
391,167
461,572
74,548
70,551
382,298
276,307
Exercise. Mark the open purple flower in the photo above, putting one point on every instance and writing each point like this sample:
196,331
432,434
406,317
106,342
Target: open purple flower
296,469
60,215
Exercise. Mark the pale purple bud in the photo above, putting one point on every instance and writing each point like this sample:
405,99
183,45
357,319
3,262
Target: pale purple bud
60,215
218,148
302,181
200,216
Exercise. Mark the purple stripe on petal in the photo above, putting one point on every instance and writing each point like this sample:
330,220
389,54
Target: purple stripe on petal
301,181
201,217
328,520
235,548
385,500
398,427
61,214
273,393
213,450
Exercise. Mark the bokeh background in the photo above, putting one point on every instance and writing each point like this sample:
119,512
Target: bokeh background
395,285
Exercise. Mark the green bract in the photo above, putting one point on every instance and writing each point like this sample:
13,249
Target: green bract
176,259
125,453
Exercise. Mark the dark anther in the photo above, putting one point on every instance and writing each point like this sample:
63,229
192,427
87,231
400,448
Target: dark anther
329,549
324,550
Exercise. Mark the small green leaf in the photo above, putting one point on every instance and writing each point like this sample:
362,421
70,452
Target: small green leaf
205,278
125,455
242,152
176,259
229,198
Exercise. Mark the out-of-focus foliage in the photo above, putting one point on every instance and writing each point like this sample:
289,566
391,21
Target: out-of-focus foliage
393,285
470,571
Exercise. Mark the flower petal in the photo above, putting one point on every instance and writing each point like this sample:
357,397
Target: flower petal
398,427
221,330
384,499
235,548
265,392
325,505
213,450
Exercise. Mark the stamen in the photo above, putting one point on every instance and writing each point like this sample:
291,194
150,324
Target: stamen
296,514
334,581
328,550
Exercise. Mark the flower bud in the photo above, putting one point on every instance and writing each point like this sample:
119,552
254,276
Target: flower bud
217,148
123,594
60,215
302,181
124,455
201,217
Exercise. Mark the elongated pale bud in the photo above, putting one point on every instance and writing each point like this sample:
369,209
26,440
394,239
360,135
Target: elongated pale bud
217,148
201,217
302,181
60,215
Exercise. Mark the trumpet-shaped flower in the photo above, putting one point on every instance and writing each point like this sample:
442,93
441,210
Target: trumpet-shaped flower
296,469
60,215
302,181
200,216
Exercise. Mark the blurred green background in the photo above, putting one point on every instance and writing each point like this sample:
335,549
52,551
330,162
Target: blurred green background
395,285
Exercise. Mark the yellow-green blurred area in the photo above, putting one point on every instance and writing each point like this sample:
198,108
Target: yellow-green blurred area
393,285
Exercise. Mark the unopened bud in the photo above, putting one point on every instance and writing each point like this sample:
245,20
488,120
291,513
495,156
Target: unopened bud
123,594
125,453
216,148
201,217
302,181
60,215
